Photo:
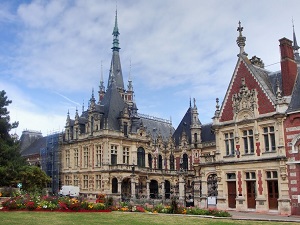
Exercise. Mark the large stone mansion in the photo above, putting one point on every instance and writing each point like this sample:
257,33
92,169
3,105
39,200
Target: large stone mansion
246,159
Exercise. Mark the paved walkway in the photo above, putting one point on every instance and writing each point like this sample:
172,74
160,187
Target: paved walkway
263,217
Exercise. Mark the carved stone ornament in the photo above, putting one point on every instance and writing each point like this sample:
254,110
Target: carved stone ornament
245,99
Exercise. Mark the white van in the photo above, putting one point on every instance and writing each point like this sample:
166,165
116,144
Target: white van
72,191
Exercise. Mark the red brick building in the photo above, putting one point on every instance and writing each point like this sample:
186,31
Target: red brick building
291,65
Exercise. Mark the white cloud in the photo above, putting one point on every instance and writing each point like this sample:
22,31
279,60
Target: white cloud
179,49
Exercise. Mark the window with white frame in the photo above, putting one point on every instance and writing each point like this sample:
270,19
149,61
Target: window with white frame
98,182
113,154
269,138
229,143
126,155
85,157
76,158
85,181
272,175
68,180
76,180
98,155
67,158
248,141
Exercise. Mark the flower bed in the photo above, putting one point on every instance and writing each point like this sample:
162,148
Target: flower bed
102,204
52,203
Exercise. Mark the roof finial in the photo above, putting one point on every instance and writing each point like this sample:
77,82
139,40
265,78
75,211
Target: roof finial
190,102
130,87
241,40
116,34
82,106
295,45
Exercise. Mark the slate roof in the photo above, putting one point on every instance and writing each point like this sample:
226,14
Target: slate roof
295,100
113,104
35,147
156,128
184,126
207,134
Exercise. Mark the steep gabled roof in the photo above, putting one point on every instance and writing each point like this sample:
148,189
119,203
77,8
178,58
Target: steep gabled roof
255,78
184,126
113,104
294,105
207,134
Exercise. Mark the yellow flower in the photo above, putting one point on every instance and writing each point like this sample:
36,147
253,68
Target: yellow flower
0,194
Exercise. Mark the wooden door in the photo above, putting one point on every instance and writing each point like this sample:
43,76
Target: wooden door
273,194
231,194
251,203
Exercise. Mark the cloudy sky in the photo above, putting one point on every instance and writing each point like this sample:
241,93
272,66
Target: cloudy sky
51,52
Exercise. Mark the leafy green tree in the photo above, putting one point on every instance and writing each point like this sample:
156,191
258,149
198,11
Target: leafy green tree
10,158
33,179
13,167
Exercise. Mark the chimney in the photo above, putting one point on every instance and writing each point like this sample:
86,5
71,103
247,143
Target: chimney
288,66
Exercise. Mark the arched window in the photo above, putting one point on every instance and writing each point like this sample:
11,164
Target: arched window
114,185
150,160
172,167
141,157
212,185
160,162
153,189
167,189
185,164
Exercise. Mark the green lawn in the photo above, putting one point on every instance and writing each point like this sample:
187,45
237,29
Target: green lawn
115,218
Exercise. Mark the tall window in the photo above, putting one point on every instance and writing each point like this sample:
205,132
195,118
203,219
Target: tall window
269,139
114,154
114,185
98,155
85,181
248,141
76,180
98,182
150,160
68,180
141,157
159,162
85,157
67,158
185,164
126,155
76,158
172,167
229,143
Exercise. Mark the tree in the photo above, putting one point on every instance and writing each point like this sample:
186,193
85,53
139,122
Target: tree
13,167
33,179
10,158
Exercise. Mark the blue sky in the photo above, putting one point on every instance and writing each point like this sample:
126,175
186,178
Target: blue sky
51,52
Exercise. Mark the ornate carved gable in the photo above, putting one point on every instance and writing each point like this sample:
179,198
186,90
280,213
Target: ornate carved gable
244,103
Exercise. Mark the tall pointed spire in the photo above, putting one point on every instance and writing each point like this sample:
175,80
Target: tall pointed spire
116,34
295,45
241,40
130,87
115,67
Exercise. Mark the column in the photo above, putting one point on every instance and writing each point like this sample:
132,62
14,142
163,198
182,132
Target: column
148,189
133,186
163,190
181,190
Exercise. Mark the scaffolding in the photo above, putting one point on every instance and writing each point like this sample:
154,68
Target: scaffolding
50,161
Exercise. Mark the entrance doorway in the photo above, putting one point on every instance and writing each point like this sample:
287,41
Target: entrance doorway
251,203
231,194
273,194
